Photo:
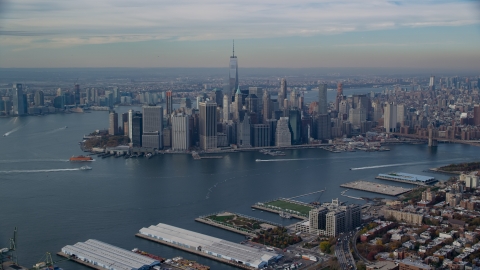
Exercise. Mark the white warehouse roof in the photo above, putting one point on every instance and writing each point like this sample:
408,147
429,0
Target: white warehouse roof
108,256
214,246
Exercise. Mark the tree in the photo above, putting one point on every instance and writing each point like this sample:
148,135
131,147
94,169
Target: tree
325,246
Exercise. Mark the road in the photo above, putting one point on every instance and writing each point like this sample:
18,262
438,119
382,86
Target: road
342,251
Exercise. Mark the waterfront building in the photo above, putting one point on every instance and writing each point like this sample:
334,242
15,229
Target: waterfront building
333,218
113,123
283,135
208,125
377,111
105,255
243,128
186,103
272,125
152,136
210,246
261,135
39,98
137,130
180,132
401,111
295,125
18,100
167,137
124,124
233,73
324,125
282,94
390,117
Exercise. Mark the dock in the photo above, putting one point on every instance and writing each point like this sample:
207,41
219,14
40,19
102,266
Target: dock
293,208
196,156
376,188
196,252
80,261
408,178
206,219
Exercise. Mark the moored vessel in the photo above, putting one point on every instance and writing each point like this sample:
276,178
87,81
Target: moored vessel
81,158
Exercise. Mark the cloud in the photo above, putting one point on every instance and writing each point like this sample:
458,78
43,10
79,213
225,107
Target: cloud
70,23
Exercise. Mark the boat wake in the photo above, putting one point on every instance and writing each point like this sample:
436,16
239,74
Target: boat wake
285,159
399,164
11,131
40,171
56,130
33,160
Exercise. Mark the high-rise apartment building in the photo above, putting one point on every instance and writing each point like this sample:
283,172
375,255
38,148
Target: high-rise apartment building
390,117
113,123
180,132
208,125
295,124
244,132
152,127
77,93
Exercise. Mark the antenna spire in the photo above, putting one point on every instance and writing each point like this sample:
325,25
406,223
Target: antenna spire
233,49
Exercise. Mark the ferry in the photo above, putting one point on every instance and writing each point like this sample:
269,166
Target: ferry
81,158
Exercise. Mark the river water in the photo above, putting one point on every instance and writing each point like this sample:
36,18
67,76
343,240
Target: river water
54,204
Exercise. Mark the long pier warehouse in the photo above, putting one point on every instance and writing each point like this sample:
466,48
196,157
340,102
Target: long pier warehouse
94,253
208,246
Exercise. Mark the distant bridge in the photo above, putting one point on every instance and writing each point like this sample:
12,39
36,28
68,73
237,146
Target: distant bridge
443,140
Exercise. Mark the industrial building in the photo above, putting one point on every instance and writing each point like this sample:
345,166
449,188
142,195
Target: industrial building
210,246
408,178
108,256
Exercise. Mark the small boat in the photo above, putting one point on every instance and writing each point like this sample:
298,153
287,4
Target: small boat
66,127
85,168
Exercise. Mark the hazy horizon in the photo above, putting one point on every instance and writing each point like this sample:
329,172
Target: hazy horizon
268,34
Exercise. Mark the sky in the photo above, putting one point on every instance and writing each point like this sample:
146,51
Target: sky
427,34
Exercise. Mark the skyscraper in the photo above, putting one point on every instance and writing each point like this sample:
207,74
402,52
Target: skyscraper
169,101
283,136
113,123
295,125
137,130
322,99
282,94
233,72
18,102
152,127
226,108
77,93
180,132
390,117
267,106
208,125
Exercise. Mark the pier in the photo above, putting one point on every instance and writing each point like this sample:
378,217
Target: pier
196,156
196,252
228,221
307,194
295,209
351,197
376,188
80,261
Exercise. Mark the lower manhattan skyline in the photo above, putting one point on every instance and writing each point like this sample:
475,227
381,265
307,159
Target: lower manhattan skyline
372,34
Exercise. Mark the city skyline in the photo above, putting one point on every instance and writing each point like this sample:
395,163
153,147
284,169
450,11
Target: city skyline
425,34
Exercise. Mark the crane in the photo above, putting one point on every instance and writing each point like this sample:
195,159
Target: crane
9,255
47,262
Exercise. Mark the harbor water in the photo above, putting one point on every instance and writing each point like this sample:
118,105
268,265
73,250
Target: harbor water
54,203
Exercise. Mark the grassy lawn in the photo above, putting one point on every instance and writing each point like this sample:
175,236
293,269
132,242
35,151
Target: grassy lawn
222,218
291,206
